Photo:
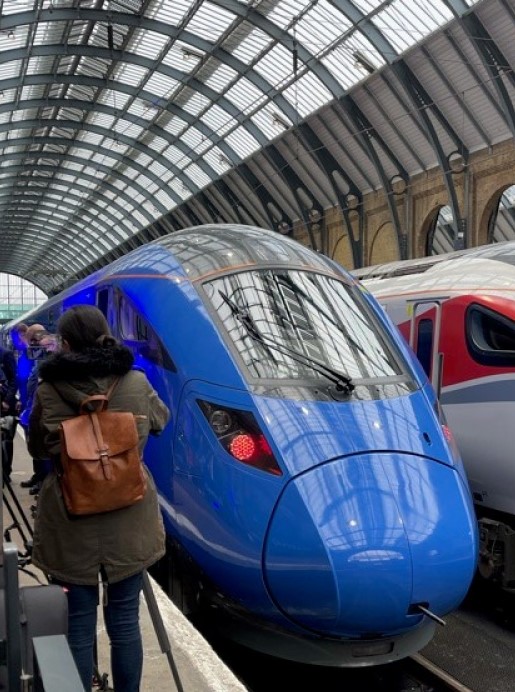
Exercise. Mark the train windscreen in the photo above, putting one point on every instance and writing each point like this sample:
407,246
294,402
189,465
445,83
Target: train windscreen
299,326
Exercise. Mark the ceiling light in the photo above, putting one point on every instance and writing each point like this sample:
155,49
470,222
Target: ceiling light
363,62
188,54
280,122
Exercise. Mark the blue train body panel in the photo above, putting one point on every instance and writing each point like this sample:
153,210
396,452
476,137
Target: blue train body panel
308,480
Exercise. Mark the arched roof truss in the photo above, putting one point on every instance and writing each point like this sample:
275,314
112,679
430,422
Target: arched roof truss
121,120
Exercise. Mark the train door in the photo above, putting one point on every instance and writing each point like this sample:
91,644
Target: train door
424,337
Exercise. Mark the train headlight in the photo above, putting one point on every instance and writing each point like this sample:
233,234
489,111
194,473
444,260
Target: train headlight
221,421
240,435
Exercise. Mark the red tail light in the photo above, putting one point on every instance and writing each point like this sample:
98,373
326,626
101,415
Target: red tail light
447,433
243,447
240,435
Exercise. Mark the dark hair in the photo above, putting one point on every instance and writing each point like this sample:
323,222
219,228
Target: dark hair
84,326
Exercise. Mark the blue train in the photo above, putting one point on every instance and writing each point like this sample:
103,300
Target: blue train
311,491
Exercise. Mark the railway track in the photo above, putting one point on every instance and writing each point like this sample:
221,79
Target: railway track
432,677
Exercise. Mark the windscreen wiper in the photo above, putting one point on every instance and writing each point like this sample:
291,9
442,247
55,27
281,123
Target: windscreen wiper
343,383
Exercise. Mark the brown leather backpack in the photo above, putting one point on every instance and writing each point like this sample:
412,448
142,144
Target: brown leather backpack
101,467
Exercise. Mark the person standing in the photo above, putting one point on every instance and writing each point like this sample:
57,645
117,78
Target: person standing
41,344
8,388
27,382
118,545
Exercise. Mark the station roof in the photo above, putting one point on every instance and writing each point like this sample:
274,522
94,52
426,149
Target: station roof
124,119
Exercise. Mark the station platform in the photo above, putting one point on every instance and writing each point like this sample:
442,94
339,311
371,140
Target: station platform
198,667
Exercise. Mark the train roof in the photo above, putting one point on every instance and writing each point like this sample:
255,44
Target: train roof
486,269
202,250
504,252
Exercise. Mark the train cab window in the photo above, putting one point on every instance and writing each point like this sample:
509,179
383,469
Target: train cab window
298,328
490,336
424,351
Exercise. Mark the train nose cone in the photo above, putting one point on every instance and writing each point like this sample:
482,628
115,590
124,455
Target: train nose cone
357,543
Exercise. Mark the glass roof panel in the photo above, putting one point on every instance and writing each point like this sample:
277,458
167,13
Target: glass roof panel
161,85
219,120
143,109
220,78
249,47
242,142
322,25
174,126
144,159
130,74
285,11
245,95
405,22
195,102
128,129
197,175
12,6
210,21
193,137
171,13
147,43
277,65
217,160
183,57
157,168
175,155
116,99
307,94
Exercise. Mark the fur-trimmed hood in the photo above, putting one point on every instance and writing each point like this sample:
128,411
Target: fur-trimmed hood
108,361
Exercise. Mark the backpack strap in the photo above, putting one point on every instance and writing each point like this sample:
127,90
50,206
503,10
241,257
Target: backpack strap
111,388
94,399
102,447
89,404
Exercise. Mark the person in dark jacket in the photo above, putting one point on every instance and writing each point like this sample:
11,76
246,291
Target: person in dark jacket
116,545
8,387
41,344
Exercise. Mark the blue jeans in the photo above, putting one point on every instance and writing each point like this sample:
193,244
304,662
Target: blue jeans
121,617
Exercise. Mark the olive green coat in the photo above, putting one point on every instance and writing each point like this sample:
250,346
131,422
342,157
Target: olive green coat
73,549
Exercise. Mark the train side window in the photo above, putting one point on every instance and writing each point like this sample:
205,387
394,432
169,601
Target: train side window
425,335
53,316
144,340
490,336
126,319
103,300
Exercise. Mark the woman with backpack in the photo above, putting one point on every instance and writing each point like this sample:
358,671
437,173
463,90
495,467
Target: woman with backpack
114,546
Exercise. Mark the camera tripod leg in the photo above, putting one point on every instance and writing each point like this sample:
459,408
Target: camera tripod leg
159,628
20,522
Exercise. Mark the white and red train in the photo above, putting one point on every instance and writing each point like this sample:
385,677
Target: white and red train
457,311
